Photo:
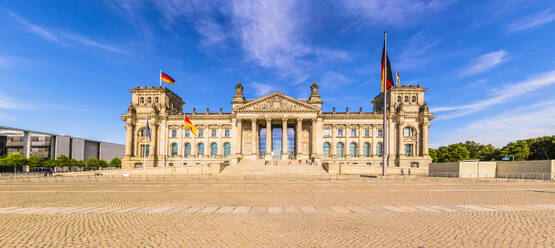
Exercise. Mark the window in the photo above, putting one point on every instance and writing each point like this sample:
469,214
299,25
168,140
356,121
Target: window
213,150
353,149
142,100
366,132
406,98
399,99
213,132
227,149
142,133
380,133
327,150
414,165
379,149
187,132
187,149
413,98
174,150
408,149
200,150
170,164
326,133
366,149
339,150
408,131
156,100
201,132
144,150
174,133
149,100
226,132
138,165
353,132
340,132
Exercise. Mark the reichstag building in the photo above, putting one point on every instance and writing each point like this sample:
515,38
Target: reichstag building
276,126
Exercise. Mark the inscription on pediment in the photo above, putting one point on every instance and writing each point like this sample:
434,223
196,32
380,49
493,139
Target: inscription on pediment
276,102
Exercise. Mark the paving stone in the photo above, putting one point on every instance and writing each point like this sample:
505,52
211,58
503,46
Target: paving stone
241,210
207,210
275,210
224,210
358,209
341,210
258,210
292,210
394,209
444,209
308,209
192,209
427,209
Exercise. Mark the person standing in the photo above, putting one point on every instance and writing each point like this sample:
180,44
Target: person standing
402,171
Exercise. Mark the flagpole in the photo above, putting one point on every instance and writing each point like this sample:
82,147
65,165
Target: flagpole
160,76
384,150
182,147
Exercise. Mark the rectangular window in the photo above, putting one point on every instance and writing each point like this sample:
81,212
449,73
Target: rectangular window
340,132
326,133
408,149
226,133
380,133
353,132
213,132
366,132
187,133
414,165
201,132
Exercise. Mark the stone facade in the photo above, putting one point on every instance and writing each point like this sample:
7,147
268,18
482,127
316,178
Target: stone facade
323,137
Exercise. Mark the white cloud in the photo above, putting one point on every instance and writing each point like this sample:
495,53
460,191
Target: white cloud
522,123
7,102
332,79
534,20
499,96
396,12
414,54
484,63
62,37
262,89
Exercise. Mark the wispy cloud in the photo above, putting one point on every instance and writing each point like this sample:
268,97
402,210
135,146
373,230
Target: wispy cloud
417,46
262,89
332,79
62,37
526,122
500,96
534,20
484,63
8,102
396,12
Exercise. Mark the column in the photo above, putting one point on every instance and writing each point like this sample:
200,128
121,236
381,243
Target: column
27,144
360,145
391,142
154,130
253,136
194,144
374,133
319,138
400,136
284,151
207,142
220,133
238,137
181,145
313,138
298,132
425,139
128,138
268,138
332,145
347,146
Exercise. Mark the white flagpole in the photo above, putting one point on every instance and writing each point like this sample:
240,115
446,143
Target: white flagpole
160,76
384,150
182,148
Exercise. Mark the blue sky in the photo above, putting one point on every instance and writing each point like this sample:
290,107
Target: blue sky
66,66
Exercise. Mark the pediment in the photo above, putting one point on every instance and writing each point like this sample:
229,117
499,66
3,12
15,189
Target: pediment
277,102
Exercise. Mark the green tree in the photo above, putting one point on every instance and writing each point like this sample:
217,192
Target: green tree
452,153
63,161
50,163
14,160
518,149
115,162
96,163
542,148
433,154
80,163
35,162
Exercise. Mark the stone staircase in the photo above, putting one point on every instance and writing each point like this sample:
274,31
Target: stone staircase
283,167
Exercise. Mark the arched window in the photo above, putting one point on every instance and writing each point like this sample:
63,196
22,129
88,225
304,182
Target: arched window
353,149
149,100
200,150
142,101
339,150
399,99
327,149
213,150
174,133
174,150
406,98
142,133
187,149
379,149
156,100
413,98
408,131
366,149
227,149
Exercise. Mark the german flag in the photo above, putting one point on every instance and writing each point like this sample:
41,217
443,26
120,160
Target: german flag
166,78
386,81
190,126
398,80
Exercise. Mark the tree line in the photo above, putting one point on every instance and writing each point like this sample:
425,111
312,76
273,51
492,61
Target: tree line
16,162
541,148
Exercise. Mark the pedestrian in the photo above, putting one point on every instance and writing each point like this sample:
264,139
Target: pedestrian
402,172
409,171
